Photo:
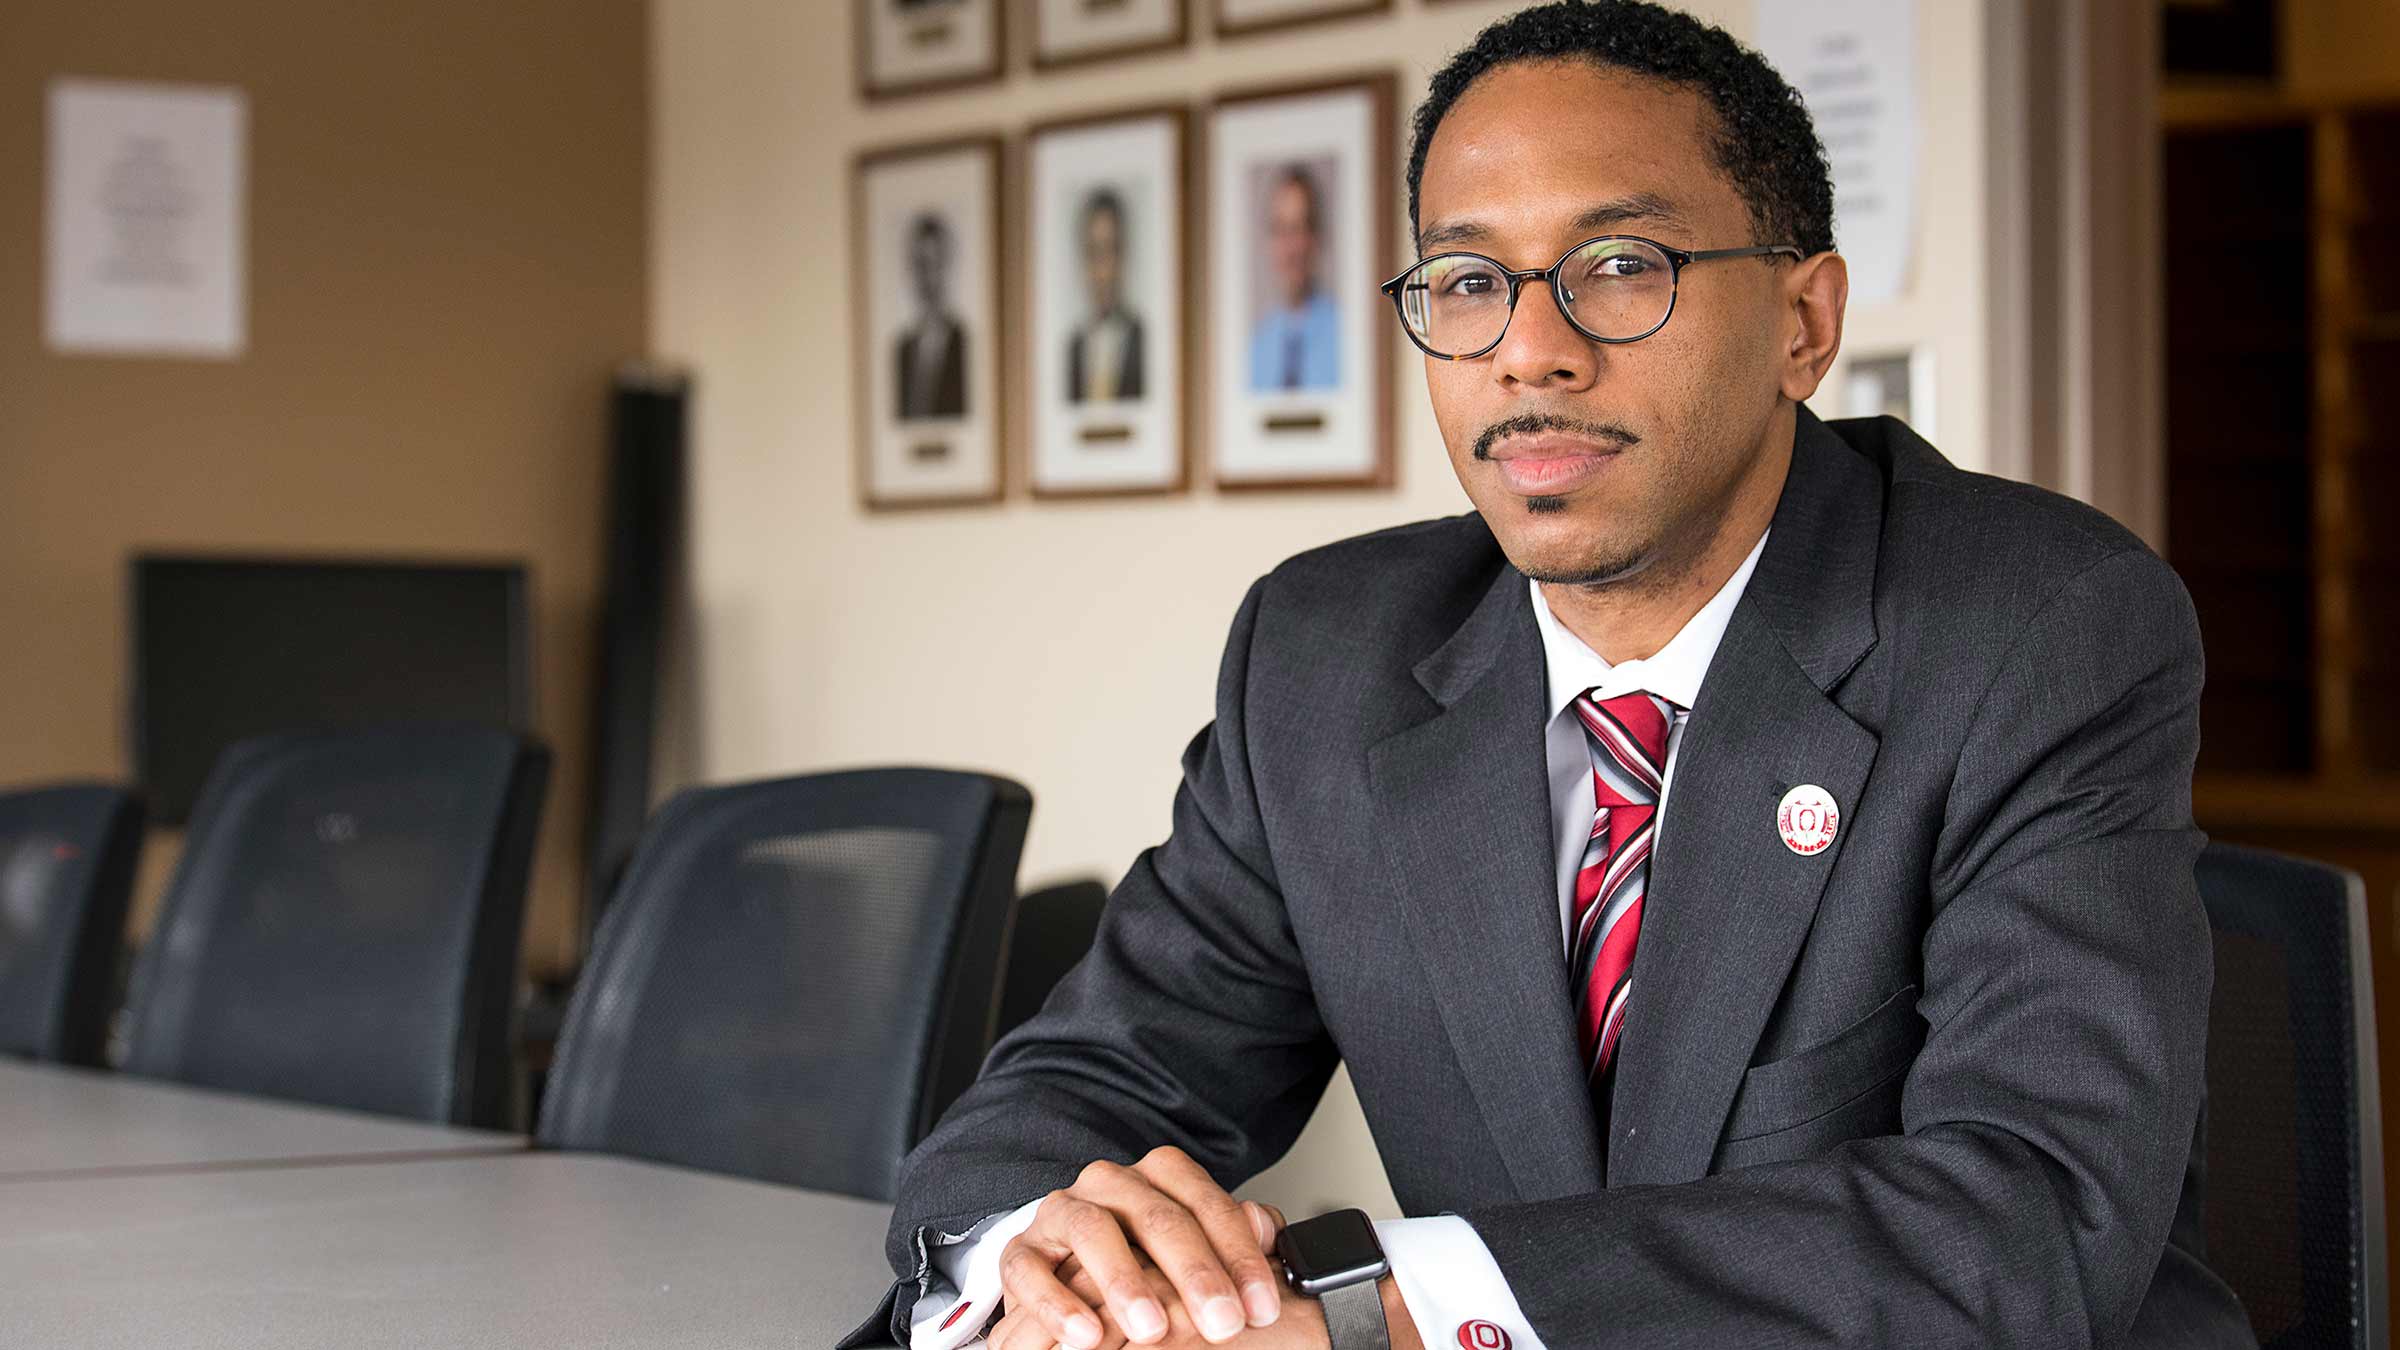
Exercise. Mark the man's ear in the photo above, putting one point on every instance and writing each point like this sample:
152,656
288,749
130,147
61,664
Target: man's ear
1816,292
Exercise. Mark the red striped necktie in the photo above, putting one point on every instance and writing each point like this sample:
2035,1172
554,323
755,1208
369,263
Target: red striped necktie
1627,737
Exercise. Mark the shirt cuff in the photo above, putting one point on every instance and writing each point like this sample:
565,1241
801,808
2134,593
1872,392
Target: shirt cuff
962,1295
1453,1288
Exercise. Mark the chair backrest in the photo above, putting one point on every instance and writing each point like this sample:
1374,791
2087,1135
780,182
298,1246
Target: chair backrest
343,925
794,977
1054,927
67,857
2293,1206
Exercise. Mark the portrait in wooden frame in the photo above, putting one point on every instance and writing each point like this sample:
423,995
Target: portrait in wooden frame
1240,18
1105,321
1301,212
1069,33
927,323
907,47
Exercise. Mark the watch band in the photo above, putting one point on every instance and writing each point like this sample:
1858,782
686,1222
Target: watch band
1354,1317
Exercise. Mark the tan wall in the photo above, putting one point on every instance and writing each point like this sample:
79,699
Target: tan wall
446,261
1073,646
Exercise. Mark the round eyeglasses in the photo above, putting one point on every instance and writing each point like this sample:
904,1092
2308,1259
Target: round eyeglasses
1616,288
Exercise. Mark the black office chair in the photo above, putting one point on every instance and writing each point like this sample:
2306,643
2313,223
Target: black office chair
794,977
343,925
2294,1196
1053,929
67,856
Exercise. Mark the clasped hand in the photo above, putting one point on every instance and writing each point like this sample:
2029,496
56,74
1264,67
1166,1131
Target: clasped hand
1155,1254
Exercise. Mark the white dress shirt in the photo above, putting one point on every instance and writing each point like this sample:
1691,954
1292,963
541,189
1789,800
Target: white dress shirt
1104,355
1446,1274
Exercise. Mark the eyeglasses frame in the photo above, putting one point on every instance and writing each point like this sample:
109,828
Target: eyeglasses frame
1677,260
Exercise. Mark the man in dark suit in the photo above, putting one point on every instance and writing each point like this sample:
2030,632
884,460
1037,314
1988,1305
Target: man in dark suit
931,356
1746,866
1104,354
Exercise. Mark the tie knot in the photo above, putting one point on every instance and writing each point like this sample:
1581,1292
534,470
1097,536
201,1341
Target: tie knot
1628,733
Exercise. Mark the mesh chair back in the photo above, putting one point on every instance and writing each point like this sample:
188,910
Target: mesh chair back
794,977
66,872
1053,929
2294,1201
343,926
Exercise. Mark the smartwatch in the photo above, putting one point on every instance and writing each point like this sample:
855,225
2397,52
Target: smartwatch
1335,1259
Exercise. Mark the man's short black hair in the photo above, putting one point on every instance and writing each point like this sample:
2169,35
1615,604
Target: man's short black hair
1104,201
1765,141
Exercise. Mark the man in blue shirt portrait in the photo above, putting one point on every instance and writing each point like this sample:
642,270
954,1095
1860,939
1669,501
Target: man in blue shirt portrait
1298,343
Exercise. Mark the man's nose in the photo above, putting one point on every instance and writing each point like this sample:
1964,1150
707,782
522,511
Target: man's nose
1541,349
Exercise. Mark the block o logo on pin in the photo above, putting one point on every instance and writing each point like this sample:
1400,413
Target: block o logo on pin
1481,1335
1808,820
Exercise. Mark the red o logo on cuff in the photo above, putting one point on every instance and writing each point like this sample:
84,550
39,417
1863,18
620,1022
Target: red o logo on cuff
955,1314
1481,1335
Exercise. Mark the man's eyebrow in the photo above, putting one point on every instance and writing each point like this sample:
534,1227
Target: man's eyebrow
1639,206
1448,233
1599,218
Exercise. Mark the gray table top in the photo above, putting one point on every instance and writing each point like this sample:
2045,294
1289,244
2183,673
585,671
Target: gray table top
57,1121
481,1253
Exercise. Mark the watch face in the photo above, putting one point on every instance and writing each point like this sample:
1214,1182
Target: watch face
1332,1245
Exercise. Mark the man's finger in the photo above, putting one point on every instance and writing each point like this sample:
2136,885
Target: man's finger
1266,1221
1031,1287
1023,1331
1080,1282
1232,1235
1200,1252
1068,1225
1009,1333
1088,1289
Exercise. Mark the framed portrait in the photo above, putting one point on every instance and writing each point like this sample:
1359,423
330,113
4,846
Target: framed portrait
1236,17
1300,235
926,332
1891,384
1069,32
1104,239
917,46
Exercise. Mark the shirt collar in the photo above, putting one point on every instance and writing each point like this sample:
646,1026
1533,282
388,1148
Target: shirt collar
1306,310
1673,673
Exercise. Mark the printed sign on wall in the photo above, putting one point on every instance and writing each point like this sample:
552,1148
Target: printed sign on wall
147,253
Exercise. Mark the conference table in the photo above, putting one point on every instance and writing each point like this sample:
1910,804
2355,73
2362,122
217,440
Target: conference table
57,1121
373,1232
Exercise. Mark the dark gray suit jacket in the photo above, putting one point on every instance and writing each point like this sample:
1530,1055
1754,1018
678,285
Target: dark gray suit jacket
1936,1086
1130,362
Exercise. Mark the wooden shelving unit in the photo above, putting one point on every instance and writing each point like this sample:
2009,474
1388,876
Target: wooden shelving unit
2282,257
2283,483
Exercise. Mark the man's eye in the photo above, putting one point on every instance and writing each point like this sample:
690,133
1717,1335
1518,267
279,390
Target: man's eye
1619,267
1472,284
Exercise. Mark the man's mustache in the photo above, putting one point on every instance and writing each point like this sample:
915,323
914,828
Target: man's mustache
1527,424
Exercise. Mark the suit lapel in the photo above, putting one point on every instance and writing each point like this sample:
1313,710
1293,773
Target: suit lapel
1730,904
1463,805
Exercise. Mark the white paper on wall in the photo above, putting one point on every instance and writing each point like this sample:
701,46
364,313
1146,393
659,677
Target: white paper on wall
146,234
1855,62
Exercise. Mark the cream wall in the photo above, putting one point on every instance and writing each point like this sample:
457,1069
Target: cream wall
1946,307
1072,646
